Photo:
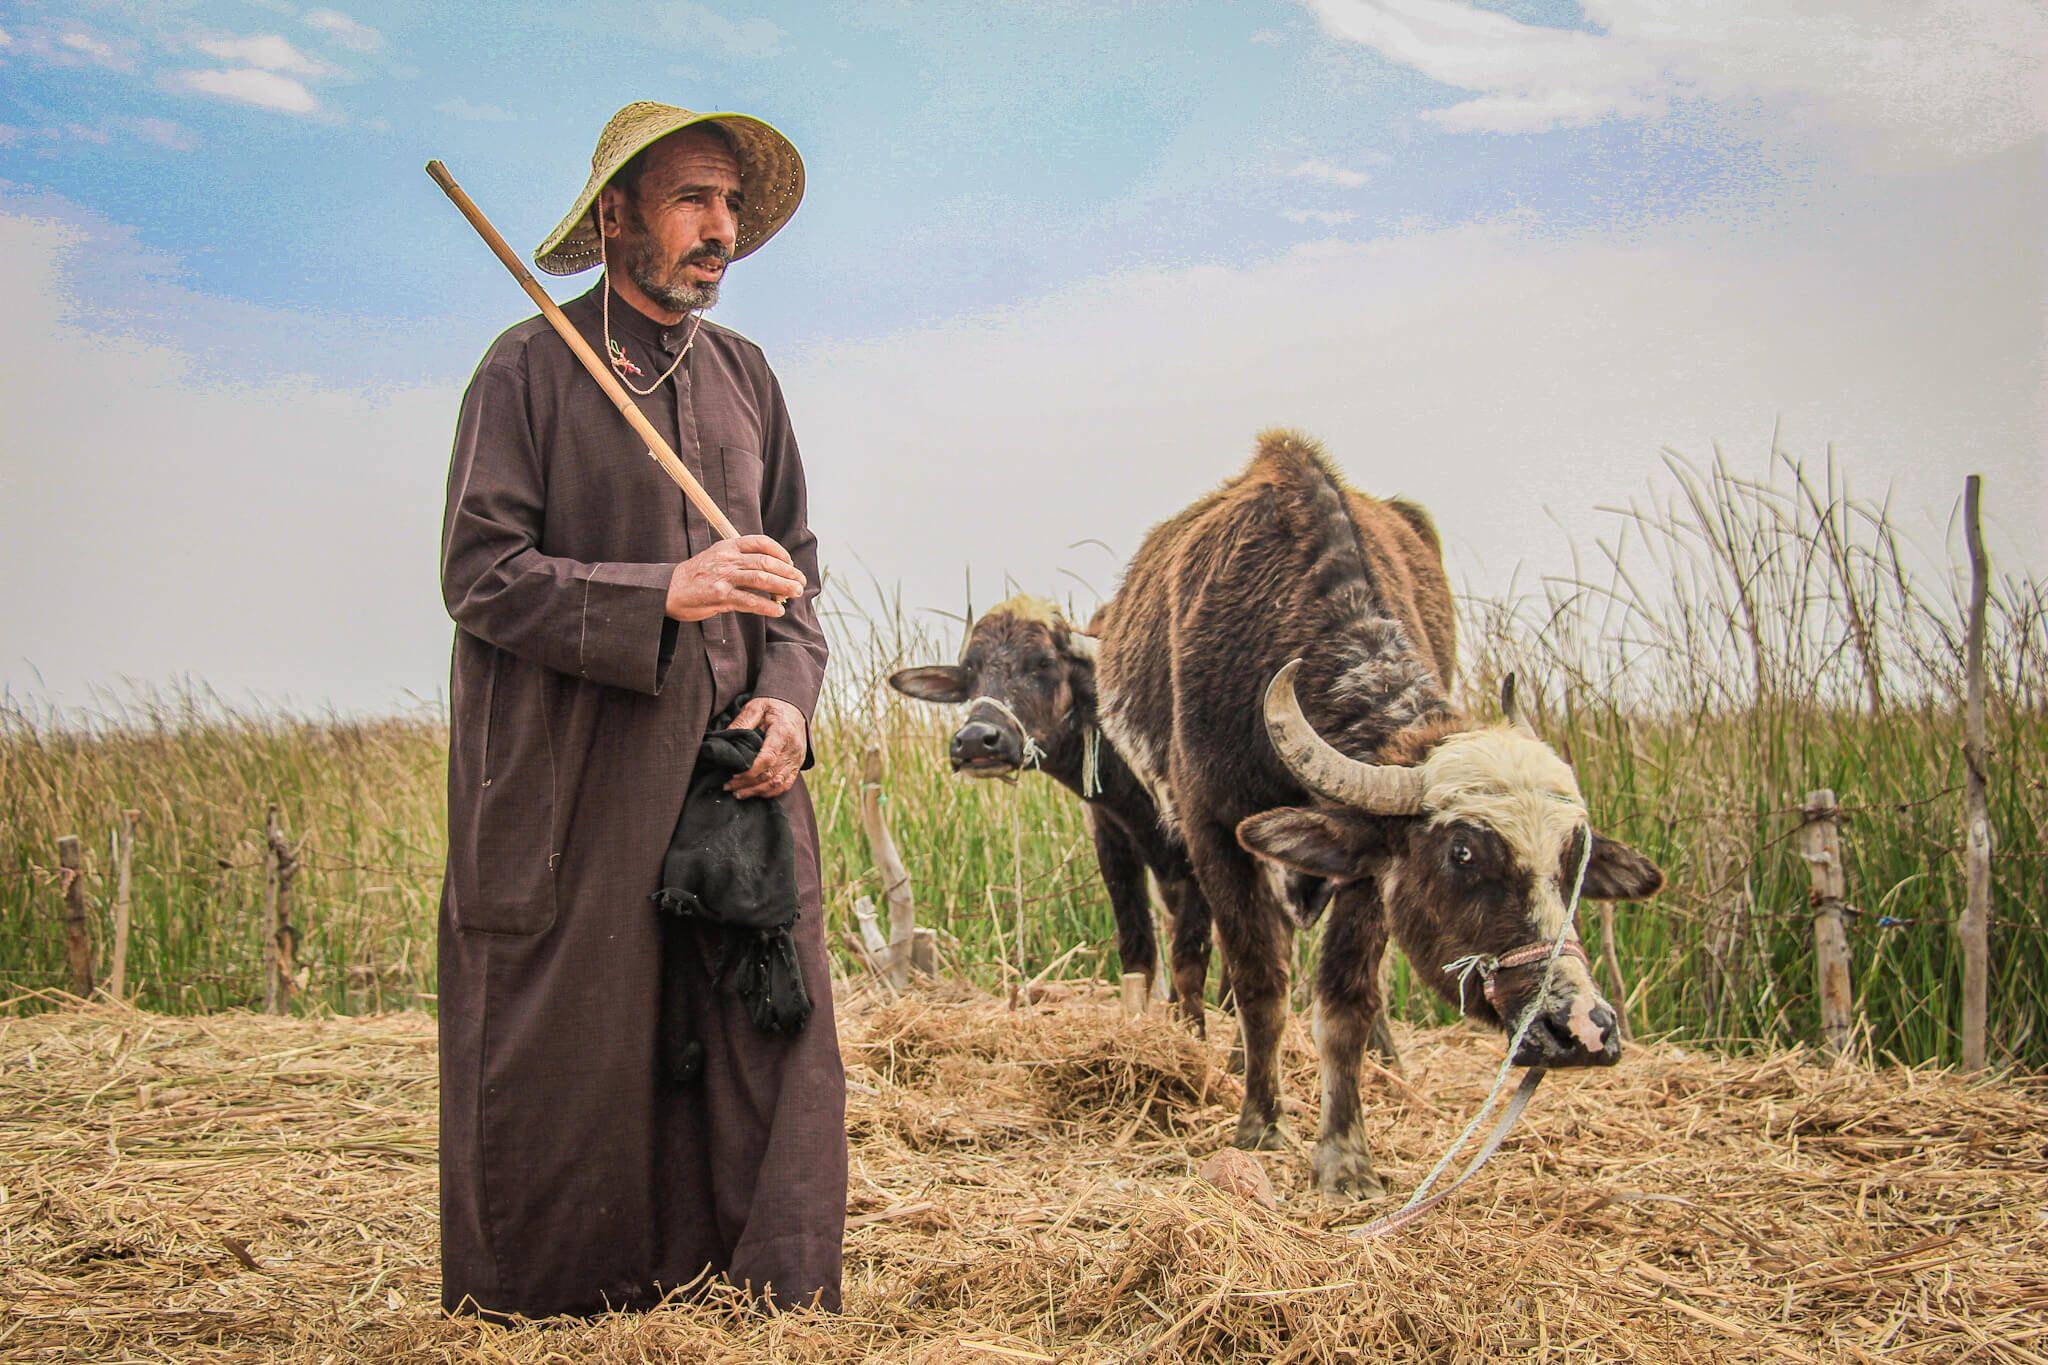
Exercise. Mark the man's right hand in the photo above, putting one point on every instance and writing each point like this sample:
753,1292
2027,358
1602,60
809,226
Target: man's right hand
752,574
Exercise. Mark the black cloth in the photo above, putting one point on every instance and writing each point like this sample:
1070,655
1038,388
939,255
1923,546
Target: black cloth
729,893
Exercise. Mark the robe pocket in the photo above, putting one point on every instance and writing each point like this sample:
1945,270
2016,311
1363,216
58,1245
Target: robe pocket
502,809
743,473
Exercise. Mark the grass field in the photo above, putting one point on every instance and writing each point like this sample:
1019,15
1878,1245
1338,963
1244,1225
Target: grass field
1739,644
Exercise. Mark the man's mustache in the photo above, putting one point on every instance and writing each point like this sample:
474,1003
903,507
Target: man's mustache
708,253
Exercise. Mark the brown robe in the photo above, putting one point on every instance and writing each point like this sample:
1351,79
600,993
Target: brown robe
573,1175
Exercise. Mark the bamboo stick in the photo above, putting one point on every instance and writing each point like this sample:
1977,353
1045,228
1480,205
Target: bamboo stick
1976,920
657,447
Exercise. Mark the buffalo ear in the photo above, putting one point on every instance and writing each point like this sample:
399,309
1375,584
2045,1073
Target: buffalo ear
934,682
1619,873
1300,840
1336,845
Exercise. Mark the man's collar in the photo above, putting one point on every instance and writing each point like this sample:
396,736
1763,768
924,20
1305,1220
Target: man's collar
629,323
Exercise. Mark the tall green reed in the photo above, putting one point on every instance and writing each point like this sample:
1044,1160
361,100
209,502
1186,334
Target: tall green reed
1729,645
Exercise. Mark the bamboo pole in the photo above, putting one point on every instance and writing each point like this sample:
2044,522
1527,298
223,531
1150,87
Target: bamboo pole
280,939
1821,844
657,447
124,856
77,935
896,890
1976,921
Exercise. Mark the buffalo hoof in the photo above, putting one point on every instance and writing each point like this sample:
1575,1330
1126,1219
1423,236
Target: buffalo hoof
1344,1173
1255,1134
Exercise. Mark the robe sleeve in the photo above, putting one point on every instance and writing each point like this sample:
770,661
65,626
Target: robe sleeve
793,665
604,622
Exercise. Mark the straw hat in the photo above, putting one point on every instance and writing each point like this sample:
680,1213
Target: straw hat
771,173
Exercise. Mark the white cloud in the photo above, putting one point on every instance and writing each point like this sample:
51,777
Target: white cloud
354,36
156,131
267,51
461,108
161,132
693,26
261,470
1544,112
1495,372
246,85
1328,173
77,46
86,45
71,46
1905,82
1322,217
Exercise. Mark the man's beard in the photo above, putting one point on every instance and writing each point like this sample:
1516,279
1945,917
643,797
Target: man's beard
676,295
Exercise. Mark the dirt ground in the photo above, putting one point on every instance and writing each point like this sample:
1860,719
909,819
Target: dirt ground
239,1188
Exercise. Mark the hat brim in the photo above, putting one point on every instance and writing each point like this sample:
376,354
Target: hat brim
771,183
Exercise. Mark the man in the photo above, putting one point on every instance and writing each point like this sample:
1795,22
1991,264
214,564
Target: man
602,629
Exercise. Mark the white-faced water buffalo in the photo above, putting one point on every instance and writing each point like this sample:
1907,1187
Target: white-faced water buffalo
1459,840
1028,680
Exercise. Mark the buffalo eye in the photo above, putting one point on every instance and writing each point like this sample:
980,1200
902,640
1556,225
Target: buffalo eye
1460,853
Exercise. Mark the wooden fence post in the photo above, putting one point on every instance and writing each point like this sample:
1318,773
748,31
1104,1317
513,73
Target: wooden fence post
1975,927
124,860
896,890
1612,960
1820,843
281,940
1136,993
77,934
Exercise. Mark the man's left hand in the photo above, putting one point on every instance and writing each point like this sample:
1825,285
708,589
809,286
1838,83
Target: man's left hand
782,755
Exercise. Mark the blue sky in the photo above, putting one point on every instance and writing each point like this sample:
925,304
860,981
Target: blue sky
961,156
1498,255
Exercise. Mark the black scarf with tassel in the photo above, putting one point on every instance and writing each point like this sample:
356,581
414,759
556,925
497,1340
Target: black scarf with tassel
728,889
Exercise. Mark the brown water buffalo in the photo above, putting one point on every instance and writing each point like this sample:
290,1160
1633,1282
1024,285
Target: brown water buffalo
1273,669
1027,678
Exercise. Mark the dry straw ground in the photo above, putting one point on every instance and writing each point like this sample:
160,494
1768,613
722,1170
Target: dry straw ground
236,1188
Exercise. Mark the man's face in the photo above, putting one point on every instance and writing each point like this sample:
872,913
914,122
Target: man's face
675,235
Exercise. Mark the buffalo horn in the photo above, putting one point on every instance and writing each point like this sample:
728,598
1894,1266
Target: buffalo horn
1382,788
1510,710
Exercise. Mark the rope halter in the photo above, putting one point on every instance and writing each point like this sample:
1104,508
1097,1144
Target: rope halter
1486,966
1032,753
